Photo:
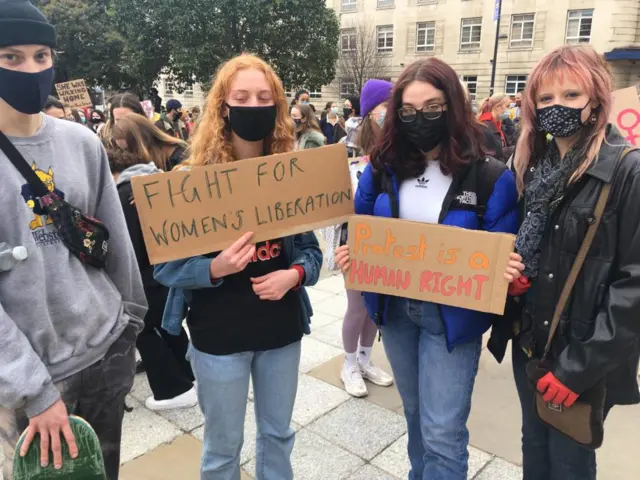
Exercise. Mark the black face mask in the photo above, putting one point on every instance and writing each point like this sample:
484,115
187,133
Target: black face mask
26,92
347,112
425,134
560,121
177,115
252,123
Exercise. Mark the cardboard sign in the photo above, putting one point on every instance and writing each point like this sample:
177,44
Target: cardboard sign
206,209
434,263
625,114
74,93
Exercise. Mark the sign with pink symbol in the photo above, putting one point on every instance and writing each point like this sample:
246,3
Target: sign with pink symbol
625,114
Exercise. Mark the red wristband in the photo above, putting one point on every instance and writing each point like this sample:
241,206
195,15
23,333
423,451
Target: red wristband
519,286
300,271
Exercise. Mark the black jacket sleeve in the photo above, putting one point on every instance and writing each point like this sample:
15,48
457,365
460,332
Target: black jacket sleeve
492,142
135,232
616,333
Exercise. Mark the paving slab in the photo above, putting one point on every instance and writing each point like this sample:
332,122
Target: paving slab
369,472
315,353
332,284
477,461
186,419
179,459
314,458
330,334
360,427
335,305
143,430
386,397
499,469
315,398
394,459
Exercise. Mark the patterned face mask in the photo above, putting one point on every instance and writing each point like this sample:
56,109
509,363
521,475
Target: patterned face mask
560,121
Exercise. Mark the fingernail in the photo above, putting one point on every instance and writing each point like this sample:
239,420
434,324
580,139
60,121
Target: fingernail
58,467
75,455
44,464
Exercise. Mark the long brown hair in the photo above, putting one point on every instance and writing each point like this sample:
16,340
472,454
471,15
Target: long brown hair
368,134
146,141
211,142
590,70
464,142
311,123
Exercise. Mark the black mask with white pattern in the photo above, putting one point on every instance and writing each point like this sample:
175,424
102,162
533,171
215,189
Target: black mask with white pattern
560,121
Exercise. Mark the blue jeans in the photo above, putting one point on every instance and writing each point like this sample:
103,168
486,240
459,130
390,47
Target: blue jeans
435,387
546,453
223,387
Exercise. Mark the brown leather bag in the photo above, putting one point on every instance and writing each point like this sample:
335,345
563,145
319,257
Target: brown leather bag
584,420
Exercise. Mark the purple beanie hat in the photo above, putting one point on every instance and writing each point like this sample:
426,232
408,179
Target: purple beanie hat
373,94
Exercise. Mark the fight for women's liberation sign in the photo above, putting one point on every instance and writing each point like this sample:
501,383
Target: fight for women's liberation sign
435,263
206,209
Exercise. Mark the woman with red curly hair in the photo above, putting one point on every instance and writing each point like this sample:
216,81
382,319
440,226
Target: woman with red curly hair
247,305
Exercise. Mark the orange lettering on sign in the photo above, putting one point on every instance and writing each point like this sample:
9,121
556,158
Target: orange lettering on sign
479,260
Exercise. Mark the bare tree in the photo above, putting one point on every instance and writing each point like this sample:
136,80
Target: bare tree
361,58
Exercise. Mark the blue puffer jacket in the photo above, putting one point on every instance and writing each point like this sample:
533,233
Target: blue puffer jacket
482,198
182,276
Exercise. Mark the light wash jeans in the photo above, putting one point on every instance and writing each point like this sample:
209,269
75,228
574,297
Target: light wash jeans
223,387
435,387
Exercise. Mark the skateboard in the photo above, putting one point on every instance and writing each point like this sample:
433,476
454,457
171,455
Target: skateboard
89,465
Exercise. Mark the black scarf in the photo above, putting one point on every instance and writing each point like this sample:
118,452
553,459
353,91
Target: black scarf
542,195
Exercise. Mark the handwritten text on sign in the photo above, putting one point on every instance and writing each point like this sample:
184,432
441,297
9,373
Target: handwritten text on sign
73,93
440,264
626,114
206,209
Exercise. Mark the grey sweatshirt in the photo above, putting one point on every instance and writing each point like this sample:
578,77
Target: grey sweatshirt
57,315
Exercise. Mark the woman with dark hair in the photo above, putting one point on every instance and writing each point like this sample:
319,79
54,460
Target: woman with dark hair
430,138
120,105
97,121
164,355
352,121
301,97
308,134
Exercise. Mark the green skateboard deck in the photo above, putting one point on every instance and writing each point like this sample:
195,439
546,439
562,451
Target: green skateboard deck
89,464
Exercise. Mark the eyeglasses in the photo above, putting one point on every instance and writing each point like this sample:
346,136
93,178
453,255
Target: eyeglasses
430,112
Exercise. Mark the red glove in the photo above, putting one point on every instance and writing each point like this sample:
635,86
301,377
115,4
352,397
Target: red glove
519,286
555,392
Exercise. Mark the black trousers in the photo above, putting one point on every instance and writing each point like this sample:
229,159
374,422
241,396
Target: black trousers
96,394
163,354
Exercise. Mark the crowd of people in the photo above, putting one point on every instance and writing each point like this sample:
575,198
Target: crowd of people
69,327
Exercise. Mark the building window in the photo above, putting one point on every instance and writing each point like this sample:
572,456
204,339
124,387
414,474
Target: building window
385,38
470,33
349,5
515,84
522,27
348,40
315,93
347,87
579,26
385,3
471,82
425,36
188,91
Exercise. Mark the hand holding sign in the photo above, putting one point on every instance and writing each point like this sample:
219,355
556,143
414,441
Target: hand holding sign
514,268
234,259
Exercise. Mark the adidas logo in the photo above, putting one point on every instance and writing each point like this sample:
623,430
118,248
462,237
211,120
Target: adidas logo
422,182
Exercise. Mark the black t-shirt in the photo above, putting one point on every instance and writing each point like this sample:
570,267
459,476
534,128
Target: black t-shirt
231,318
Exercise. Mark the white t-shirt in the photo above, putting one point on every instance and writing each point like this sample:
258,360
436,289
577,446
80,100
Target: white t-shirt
421,198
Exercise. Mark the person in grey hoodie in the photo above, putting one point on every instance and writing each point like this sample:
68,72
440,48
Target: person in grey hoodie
67,330
164,355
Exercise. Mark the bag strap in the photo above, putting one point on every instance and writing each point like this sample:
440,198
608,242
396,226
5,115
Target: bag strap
582,253
18,161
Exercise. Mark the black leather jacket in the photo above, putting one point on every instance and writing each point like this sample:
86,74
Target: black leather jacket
599,333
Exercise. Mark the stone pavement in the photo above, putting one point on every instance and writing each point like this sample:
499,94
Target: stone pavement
340,437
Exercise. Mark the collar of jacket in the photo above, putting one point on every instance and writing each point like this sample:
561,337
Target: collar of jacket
605,165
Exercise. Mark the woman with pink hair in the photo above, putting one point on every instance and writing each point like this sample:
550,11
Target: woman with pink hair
595,347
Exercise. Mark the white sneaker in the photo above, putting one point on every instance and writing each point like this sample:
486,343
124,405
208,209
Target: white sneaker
186,400
353,383
375,374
